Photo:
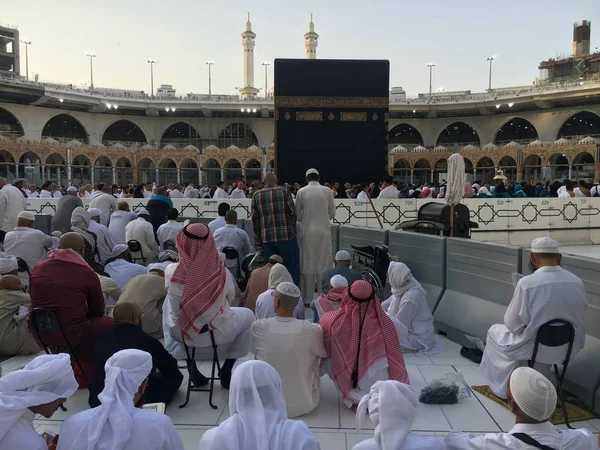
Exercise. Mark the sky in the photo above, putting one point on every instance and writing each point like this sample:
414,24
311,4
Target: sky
457,35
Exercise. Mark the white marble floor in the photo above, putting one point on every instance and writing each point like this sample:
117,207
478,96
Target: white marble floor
334,424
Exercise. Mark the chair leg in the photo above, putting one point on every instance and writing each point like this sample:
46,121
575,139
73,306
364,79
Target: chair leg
212,380
82,371
63,407
563,402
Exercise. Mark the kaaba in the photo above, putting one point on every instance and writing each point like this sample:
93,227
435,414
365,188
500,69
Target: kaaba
331,115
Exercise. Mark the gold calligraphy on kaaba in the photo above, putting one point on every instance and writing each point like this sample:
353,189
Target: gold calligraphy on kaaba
309,116
353,116
332,102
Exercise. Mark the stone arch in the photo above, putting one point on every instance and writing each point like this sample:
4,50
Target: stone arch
558,166
188,169
485,170
81,170
55,159
212,169
29,158
581,124
179,133
532,167
211,163
10,126
422,171
468,166
232,163
167,171
146,168
253,170
123,130
123,171
516,129
401,170
458,134
167,163
103,170
583,167
7,165
253,163
508,164
232,170
271,165
65,127
405,134
238,134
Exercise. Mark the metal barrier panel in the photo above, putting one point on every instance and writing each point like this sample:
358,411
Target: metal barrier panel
583,374
478,287
247,226
425,255
335,240
360,236
43,223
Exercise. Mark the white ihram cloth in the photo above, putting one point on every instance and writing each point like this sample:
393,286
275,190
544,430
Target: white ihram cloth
121,271
408,304
220,193
176,193
105,203
148,194
265,303
29,244
455,189
234,237
118,222
258,419
391,407
44,380
12,202
237,193
142,231
545,433
104,240
362,195
117,424
168,232
214,225
315,209
549,293
274,340
389,192
45,194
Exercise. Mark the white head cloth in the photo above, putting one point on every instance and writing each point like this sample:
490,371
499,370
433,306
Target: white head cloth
118,249
71,189
456,179
484,190
111,422
157,266
391,408
278,274
338,281
258,418
44,380
95,212
8,264
533,393
143,212
401,281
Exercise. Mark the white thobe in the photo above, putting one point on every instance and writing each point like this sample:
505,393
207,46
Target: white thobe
29,244
389,192
234,237
150,430
214,225
237,193
265,306
545,433
549,293
105,203
204,192
565,194
578,192
34,194
118,222
110,290
315,209
220,193
104,240
168,232
148,194
56,194
45,194
12,202
278,339
176,193
362,195
88,194
22,435
122,271
140,230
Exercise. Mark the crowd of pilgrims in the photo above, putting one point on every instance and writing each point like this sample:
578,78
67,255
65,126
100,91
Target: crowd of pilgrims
115,311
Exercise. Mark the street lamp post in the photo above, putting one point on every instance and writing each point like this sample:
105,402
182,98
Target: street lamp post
431,66
91,55
152,62
490,59
209,63
27,44
266,64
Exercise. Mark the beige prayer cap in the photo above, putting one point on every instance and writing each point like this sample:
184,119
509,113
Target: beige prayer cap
311,171
288,294
276,258
27,215
342,255
544,245
533,393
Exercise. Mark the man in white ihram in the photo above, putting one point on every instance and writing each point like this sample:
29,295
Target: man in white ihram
532,398
315,209
549,293
232,236
12,202
117,423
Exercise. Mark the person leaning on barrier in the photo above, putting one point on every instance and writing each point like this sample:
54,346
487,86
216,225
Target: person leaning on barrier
61,220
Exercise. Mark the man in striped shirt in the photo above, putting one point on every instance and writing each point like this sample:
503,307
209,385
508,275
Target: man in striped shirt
274,223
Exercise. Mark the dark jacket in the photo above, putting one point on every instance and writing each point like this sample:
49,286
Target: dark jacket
61,221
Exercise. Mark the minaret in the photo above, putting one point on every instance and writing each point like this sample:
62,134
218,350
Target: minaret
311,40
248,37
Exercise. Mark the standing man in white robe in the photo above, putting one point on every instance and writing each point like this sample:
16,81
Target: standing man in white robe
220,192
117,423
315,209
105,202
104,240
12,203
39,388
549,293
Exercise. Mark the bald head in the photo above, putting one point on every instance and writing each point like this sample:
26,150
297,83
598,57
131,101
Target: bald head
127,312
10,283
74,241
271,178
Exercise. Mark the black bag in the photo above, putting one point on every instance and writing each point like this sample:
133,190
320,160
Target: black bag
531,441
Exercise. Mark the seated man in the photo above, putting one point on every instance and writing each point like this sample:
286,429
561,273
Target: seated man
120,268
330,301
532,398
219,222
110,290
141,230
41,387
14,308
116,423
168,231
104,240
26,242
259,282
355,368
165,378
119,220
549,293
265,304
232,236
277,339
341,267
65,284
148,292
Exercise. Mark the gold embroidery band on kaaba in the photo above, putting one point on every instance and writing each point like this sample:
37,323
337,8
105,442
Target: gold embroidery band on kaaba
332,102
309,116
353,117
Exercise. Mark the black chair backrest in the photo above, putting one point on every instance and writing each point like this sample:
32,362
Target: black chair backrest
169,245
134,246
246,264
555,333
44,321
22,265
230,253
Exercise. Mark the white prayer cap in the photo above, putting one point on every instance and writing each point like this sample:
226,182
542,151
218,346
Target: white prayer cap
288,289
342,255
338,281
157,266
71,189
118,249
8,264
544,245
44,380
533,393
143,212
311,171
95,212
57,234
276,258
27,215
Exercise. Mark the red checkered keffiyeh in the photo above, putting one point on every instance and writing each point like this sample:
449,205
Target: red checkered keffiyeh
379,339
202,274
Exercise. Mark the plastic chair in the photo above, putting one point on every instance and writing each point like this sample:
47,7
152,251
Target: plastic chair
553,334
135,247
232,254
